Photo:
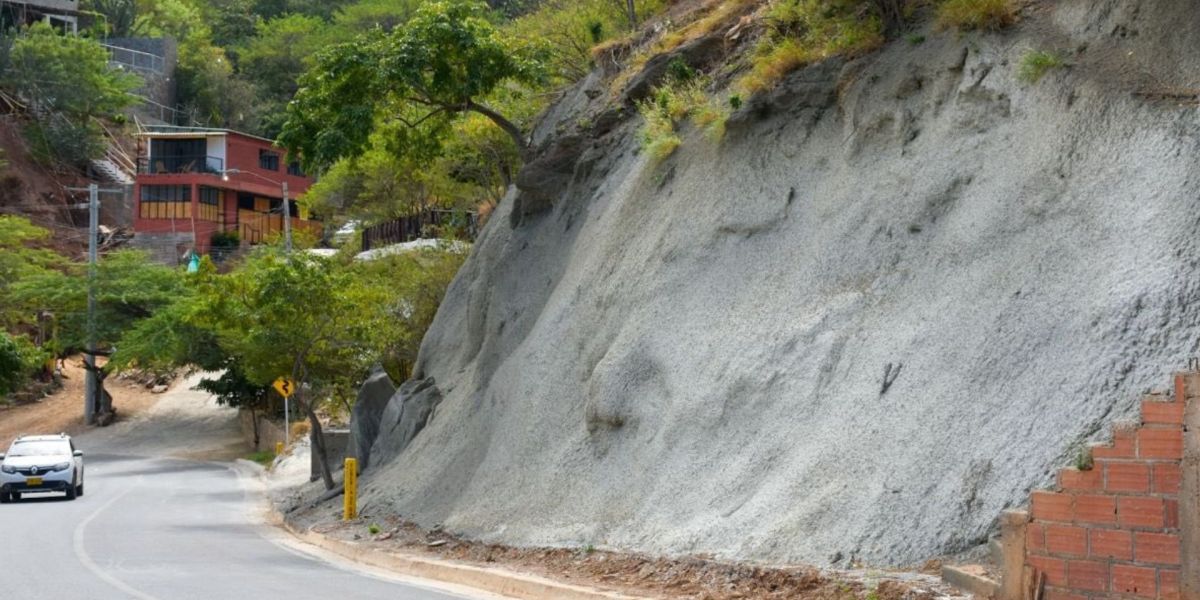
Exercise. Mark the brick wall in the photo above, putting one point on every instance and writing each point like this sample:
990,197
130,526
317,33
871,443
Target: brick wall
1113,531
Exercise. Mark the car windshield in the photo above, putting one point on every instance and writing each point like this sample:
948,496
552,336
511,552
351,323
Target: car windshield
48,448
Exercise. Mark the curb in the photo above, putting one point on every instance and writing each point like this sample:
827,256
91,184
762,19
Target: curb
496,581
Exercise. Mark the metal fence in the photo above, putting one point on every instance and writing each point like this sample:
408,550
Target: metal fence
136,60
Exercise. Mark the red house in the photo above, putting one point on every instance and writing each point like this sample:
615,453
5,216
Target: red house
193,183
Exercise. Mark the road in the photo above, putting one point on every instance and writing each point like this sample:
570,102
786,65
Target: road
151,528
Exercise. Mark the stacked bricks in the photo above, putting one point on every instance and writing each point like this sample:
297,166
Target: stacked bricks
1113,531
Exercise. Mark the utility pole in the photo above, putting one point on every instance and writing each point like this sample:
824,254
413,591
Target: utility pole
287,221
92,382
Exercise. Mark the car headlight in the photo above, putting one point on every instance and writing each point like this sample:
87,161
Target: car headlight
61,466
8,469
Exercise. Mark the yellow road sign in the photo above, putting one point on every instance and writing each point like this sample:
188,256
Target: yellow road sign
285,386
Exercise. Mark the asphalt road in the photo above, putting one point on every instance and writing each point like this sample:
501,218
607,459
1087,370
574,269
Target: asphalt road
168,529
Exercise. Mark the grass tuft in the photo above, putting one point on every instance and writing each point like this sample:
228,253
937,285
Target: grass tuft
1036,63
262,457
976,14
669,106
801,32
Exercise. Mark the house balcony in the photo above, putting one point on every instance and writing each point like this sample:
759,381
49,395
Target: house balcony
197,163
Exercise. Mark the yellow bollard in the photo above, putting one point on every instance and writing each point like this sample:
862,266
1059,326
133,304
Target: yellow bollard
350,478
278,448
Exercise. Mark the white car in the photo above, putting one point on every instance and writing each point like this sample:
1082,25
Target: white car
41,463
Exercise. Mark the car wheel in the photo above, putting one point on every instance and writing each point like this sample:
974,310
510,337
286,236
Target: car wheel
15,497
5,498
71,492
79,490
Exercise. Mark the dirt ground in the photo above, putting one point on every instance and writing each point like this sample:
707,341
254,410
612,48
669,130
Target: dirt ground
691,578
62,411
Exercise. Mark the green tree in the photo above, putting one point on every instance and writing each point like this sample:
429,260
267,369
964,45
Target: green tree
128,289
274,59
22,256
69,79
304,318
440,65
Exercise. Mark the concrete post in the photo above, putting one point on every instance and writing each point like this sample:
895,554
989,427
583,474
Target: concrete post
1187,389
1012,544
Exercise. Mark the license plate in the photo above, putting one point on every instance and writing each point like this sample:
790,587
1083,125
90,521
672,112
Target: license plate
33,481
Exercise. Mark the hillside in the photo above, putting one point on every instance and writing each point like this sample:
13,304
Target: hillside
899,293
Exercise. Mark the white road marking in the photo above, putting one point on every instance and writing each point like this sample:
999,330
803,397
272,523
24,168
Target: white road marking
82,555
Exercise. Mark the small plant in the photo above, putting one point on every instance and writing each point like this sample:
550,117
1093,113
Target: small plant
1083,459
679,71
976,14
373,529
801,32
915,39
596,30
1036,63
589,549
262,457
735,102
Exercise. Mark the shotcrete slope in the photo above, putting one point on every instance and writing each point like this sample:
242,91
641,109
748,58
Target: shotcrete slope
897,295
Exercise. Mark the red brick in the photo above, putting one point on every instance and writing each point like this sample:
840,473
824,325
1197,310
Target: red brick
1035,537
1141,512
1050,506
1166,478
1096,509
1123,446
1074,479
1127,477
1054,568
1087,575
1161,548
1140,581
1156,442
1061,594
1170,413
1168,584
1180,389
1066,540
1111,543
1171,518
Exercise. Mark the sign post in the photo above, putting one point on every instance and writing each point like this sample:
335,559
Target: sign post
286,387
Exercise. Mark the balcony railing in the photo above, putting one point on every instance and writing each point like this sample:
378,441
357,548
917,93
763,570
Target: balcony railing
181,164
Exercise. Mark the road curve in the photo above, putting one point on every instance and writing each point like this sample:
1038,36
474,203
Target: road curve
168,529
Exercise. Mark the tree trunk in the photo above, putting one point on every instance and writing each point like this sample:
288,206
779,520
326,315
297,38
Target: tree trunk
891,12
317,436
632,14
508,126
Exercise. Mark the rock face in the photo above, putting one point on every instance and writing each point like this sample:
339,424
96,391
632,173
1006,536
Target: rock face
406,414
373,398
891,301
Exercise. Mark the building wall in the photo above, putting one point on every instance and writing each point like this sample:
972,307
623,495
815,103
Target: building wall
240,152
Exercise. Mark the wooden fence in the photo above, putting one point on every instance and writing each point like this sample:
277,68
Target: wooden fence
427,224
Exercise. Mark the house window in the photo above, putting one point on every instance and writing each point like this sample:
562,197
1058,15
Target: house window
166,202
294,169
268,160
211,208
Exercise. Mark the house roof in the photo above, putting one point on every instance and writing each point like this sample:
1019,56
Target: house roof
168,131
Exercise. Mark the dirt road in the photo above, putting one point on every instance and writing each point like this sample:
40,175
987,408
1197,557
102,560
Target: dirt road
63,410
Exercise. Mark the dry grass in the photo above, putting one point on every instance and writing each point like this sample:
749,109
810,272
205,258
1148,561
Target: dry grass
808,31
976,14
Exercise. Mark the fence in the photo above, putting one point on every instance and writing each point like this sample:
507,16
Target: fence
136,60
430,223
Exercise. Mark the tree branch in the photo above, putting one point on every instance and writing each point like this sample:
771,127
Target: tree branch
508,126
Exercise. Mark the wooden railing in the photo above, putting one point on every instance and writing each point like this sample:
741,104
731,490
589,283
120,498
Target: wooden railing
427,224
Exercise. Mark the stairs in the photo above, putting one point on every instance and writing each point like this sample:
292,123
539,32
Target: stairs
110,171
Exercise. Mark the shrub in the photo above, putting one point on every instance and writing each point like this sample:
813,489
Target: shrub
19,359
976,14
802,32
1036,63
671,104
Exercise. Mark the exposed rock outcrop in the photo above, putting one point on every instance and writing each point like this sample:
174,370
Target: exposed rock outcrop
367,414
692,356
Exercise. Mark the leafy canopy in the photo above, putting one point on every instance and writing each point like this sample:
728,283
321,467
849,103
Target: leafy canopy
442,63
